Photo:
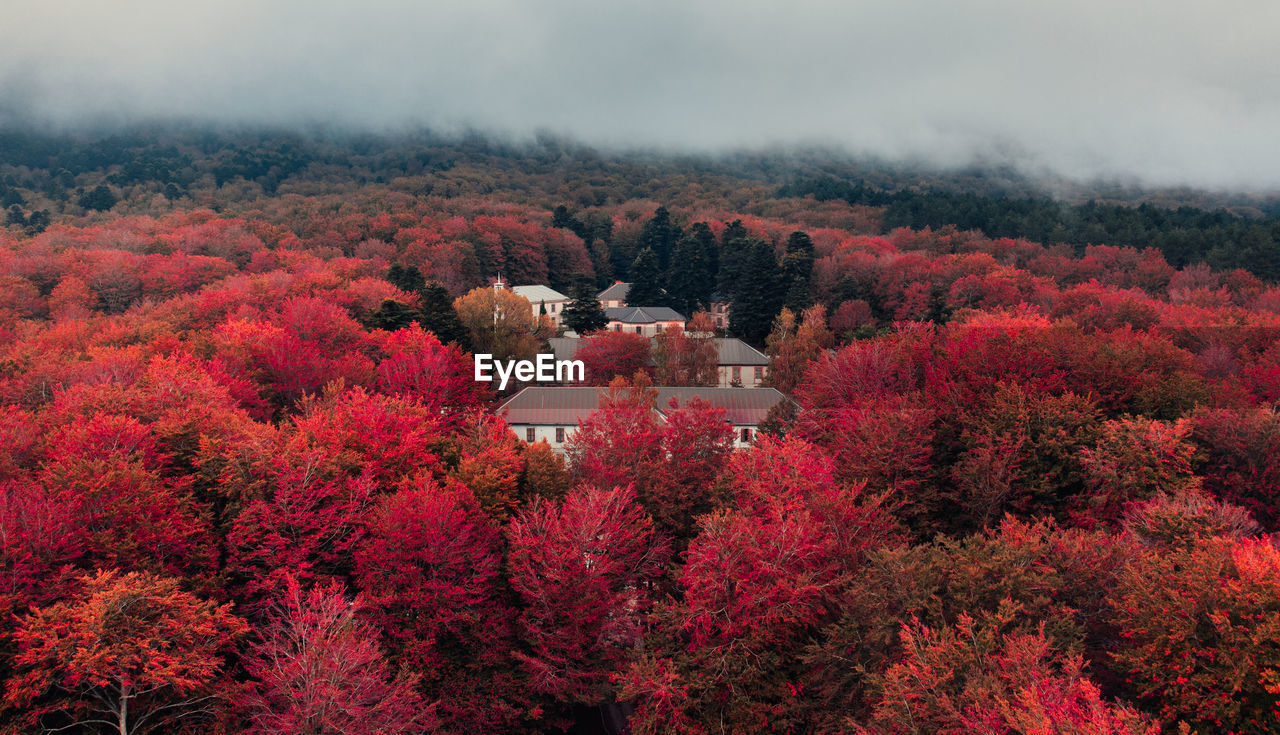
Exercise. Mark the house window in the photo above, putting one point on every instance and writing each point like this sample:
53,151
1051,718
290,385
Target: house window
639,330
657,328
746,436
617,327
529,434
759,374
737,374
559,435
553,308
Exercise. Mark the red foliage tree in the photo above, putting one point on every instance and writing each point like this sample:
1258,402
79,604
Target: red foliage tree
671,465
757,582
1200,632
124,509
430,571
318,668
609,355
583,567
684,358
490,463
1240,459
1134,460
439,376
130,652
976,680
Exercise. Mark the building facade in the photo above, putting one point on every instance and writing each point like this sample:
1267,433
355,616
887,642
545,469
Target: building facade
645,320
544,296
614,296
740,364
552,414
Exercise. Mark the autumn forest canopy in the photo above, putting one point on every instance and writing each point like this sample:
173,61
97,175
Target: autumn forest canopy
1028,481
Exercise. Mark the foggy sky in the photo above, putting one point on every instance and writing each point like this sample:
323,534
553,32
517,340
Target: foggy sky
1168,92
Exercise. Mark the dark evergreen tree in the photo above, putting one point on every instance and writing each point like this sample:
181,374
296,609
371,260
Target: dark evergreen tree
706,239
100,199
584,314
38,221
406,278
645,276
392,315
758,298
689,279
11,198
15,216
797,272
439,317
735,243
660,234
561,218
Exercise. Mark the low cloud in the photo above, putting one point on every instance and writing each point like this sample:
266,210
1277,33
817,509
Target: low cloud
1170,93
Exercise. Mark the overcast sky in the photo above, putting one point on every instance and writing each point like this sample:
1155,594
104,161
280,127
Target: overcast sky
1169,91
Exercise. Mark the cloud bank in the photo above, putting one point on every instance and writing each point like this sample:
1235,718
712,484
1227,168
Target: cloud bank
1169,93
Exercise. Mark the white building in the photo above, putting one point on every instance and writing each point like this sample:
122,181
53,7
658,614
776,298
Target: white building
540,296
740,364
614,296
552,414
646,320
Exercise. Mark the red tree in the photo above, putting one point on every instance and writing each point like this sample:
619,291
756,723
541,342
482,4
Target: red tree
430,573
608,355
582,568
439,376
131,652
318,668
1200,632
977,680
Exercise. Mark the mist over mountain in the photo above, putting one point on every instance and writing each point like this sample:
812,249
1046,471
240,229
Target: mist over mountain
1075,91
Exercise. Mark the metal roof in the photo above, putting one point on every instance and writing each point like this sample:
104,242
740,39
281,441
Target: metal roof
557,406
537,293
729,351
733,351
616,292
642,314
564,347
545,406
742,406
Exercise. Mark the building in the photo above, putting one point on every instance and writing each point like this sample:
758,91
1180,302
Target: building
718,307
552,414
540,296
740,364
614,296
646,320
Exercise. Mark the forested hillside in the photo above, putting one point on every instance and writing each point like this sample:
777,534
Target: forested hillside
248,484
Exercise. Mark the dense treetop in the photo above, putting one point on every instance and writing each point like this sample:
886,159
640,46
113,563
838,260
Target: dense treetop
247,483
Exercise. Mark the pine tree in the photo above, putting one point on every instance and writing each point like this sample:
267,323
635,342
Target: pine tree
584,314
797,271
439,317
734,246
406,278
660,235
100,198
701,233
689,276
645,289
391,316
756,300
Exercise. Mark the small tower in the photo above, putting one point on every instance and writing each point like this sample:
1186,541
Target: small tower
498,285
